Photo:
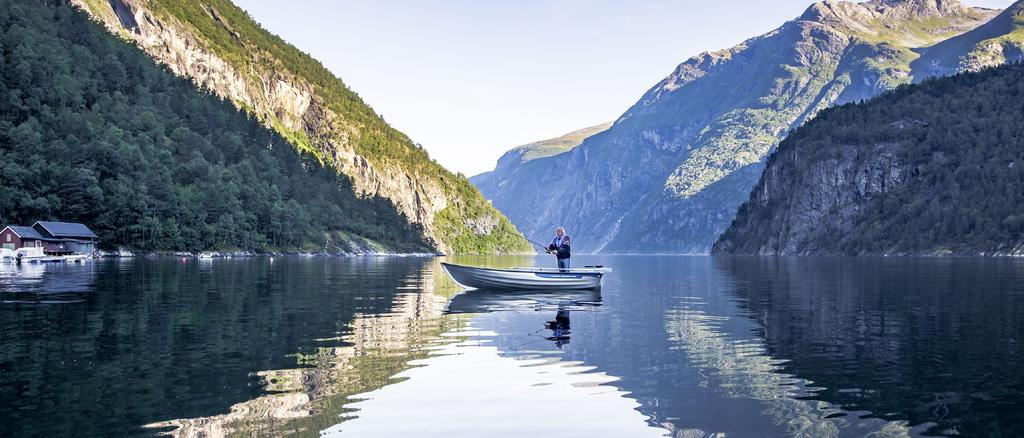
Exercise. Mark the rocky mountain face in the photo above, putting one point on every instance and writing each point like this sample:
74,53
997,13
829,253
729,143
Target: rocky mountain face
222,50
931,169
997,42
671,171
490,183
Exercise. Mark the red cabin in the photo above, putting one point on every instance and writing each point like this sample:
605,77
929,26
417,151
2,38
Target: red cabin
15,236
56,238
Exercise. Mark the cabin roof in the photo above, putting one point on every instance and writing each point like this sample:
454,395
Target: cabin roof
26,232
66,229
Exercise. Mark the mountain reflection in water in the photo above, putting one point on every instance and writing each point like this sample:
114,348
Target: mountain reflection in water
935,342
683,346
304,400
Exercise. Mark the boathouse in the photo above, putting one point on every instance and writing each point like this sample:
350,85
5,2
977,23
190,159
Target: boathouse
56,238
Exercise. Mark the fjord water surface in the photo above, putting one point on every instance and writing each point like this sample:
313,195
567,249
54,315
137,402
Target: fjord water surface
681,346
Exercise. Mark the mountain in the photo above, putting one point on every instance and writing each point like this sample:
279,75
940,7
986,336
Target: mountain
220,48
929,169
490,182
997,42
92,130
671,171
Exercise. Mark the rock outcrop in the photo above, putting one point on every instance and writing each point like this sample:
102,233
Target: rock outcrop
260,74
668,176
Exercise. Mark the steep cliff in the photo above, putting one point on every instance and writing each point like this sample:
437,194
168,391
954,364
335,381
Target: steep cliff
935,168
491,182
221,49
670,173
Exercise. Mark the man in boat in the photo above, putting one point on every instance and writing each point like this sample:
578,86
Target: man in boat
560,248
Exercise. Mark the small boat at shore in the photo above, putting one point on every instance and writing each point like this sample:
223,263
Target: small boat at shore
36,255
526,278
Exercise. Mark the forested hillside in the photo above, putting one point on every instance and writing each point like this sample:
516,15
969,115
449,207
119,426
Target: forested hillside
935,168
92,130
221,48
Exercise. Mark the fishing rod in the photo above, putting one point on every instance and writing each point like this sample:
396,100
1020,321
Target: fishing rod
535,243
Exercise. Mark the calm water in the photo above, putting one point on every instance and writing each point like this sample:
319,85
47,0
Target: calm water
679,346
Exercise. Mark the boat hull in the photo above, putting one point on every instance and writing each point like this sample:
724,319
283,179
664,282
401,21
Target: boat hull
508,279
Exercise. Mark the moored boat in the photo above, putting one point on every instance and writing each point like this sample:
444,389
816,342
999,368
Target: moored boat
36,255
525,278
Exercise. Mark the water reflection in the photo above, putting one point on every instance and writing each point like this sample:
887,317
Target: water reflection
560,302
502,379
687,346
737,366
46,283
172,338
483,300
314,395
560,328
936,342
426,360
472,389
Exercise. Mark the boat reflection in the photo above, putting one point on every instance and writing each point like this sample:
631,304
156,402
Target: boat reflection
484,300
561,301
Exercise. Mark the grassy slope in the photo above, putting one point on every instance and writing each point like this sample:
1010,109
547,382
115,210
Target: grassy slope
377,141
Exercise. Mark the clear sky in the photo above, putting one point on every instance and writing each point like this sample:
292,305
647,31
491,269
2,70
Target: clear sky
470,79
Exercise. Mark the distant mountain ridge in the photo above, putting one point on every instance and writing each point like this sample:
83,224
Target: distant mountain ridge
223,50
668,176
999,41
931,169
511,161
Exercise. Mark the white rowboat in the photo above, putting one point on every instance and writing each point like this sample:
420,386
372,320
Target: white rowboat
525,278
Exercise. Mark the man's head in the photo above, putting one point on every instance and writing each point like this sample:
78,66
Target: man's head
559,231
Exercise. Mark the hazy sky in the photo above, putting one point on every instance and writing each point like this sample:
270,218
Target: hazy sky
470,79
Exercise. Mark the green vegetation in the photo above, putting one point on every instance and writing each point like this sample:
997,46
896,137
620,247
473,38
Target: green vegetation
230,33
92,130
958,148
915,32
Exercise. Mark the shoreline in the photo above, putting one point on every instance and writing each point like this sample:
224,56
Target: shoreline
125,253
